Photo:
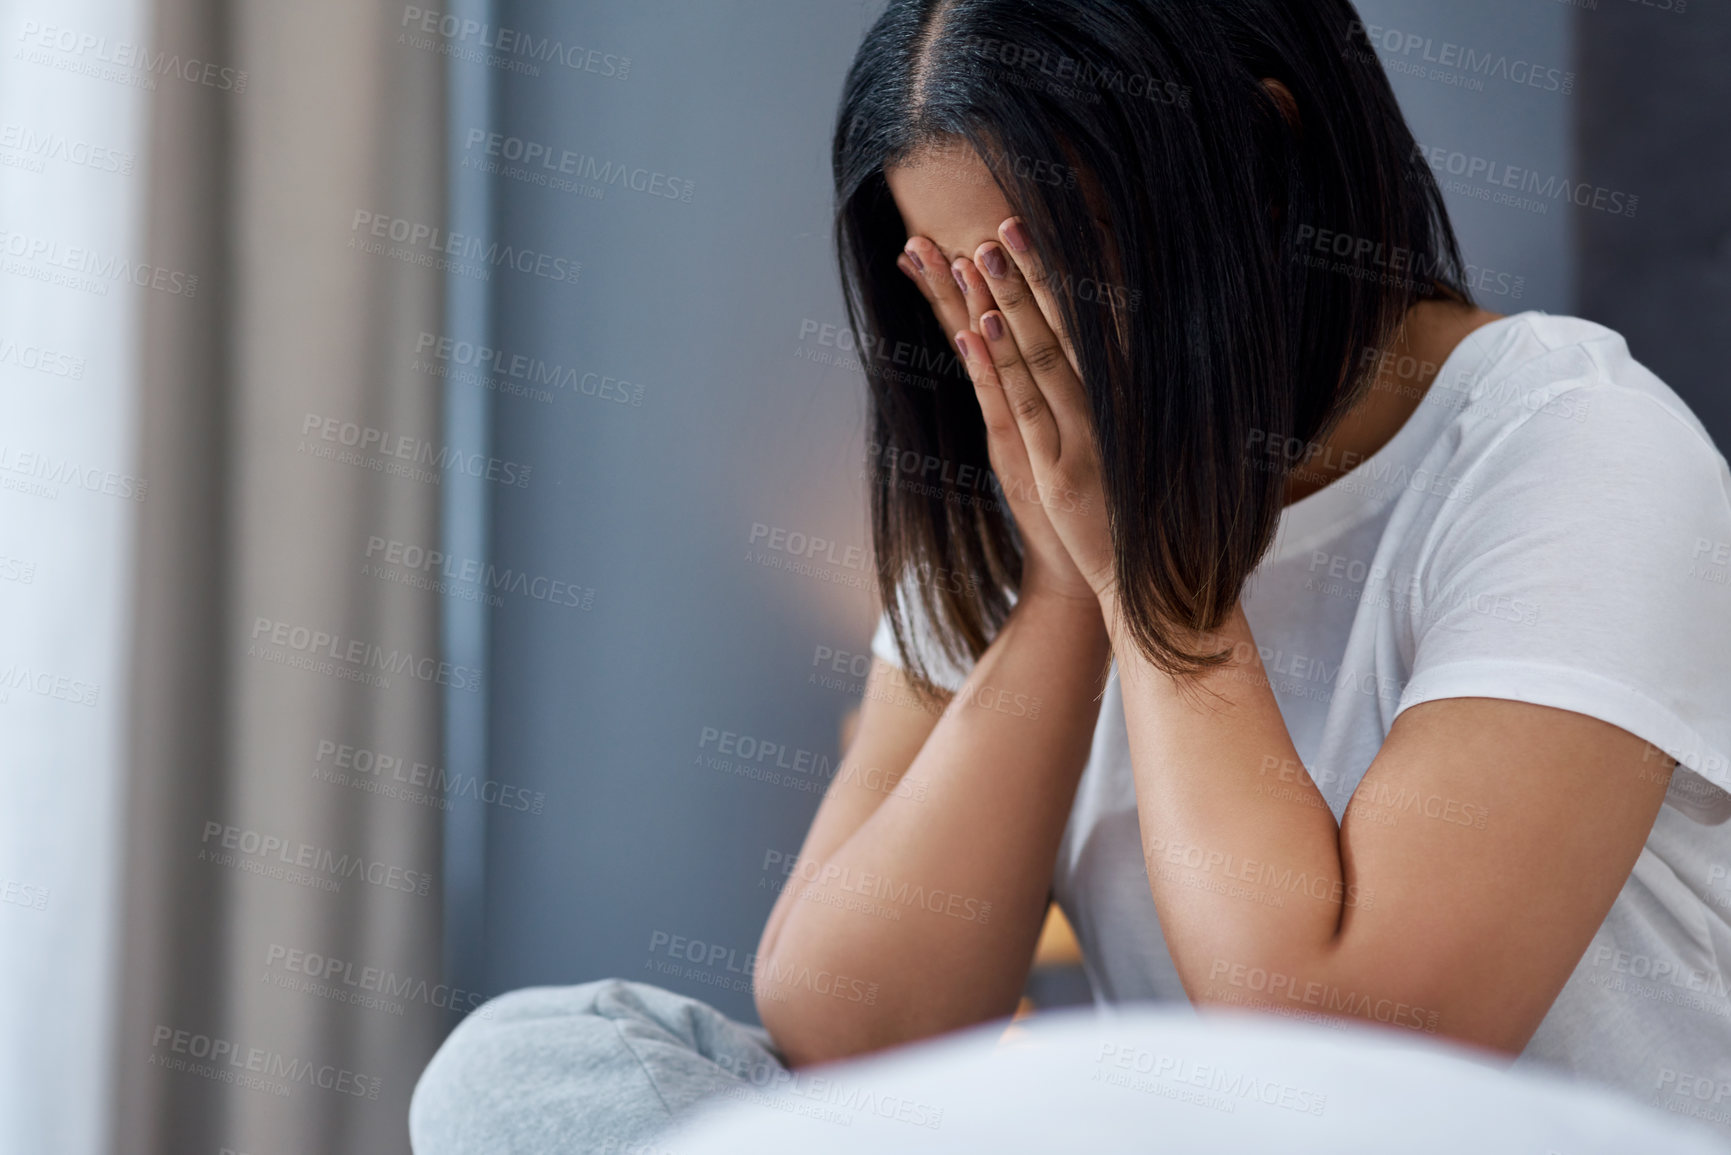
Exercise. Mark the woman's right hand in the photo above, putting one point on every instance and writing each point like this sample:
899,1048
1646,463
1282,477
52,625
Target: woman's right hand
958,296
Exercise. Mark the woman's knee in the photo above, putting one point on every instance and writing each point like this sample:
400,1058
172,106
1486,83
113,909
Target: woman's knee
523,1071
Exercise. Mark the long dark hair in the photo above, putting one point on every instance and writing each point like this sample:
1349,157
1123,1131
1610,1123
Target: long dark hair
1244,253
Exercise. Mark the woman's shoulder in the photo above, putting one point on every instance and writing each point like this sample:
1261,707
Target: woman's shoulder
1584,560
1564,397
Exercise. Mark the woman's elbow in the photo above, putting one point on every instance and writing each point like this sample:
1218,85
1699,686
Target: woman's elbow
810,1027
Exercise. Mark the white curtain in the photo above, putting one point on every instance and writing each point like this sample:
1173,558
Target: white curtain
217,931
71,180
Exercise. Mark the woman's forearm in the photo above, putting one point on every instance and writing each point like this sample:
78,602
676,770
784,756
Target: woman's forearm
935,902
1244,856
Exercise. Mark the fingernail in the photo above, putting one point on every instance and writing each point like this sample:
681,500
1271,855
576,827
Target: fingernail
961,345
907,267
994,260
1014,233
914,257
961,281
993,325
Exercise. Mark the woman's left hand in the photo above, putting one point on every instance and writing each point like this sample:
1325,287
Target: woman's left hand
1029,372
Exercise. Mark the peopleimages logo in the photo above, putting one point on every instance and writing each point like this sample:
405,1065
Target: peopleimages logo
543,162
879,886
1498,182
23,894
528,49
1362,257
398,450
365,986
1269,875
60,687
255,845
717,961
473,571
45,467
827,1098
347,765
1231,1086
47,259
41,360
527,370
99,50
358,654
37,147
226,1059
882,351
426,244
1400,47
1332,999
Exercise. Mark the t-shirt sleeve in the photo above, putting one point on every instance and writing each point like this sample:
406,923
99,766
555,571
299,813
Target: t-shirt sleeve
1590,570
943,672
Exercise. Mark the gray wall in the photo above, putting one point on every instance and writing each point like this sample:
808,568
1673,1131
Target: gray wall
1656,119
703,305
1522,256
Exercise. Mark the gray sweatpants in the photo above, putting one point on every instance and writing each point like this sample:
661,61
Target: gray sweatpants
599,1067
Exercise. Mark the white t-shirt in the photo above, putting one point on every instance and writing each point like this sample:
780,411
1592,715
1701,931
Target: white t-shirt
1551,525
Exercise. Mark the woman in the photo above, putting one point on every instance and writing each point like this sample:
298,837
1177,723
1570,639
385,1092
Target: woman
1338,648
